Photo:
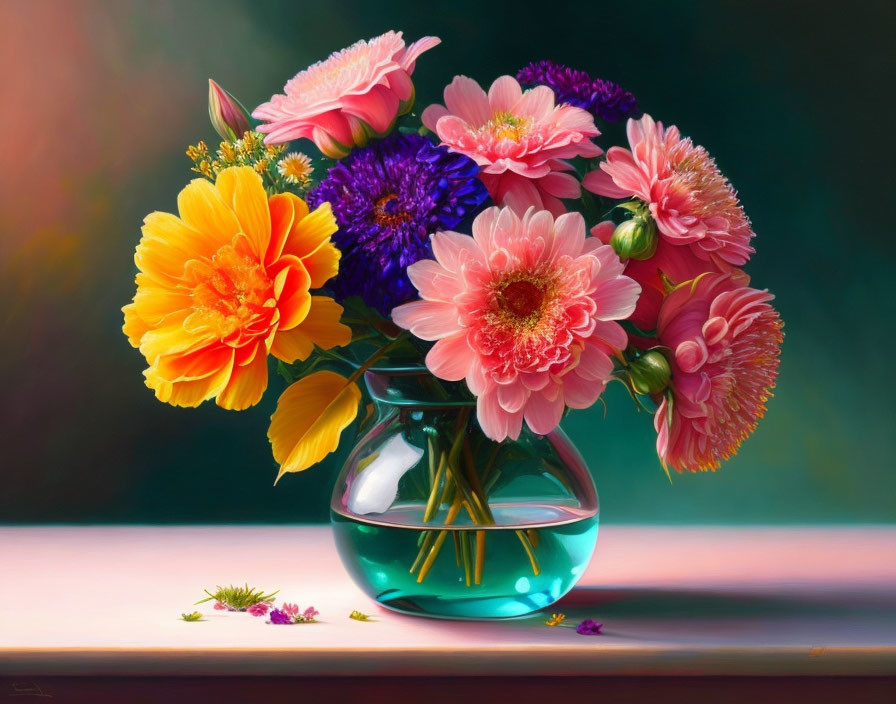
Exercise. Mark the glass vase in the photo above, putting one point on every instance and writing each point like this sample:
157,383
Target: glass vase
431,517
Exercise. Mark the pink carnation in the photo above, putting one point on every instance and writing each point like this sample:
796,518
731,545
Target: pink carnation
521,140
692,202
725,340
523,311
341,102
291,610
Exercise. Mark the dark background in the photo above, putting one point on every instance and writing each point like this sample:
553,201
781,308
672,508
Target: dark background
794,99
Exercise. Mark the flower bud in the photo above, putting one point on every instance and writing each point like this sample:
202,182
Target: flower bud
635,238
229,118
650,373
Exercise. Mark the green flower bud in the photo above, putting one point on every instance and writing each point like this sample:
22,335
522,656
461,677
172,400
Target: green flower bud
635,238
650,373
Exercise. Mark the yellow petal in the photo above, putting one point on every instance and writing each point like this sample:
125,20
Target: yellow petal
242,190
322,264
283,212
188,394
247,383
320,327
310,416
202,208
310,232
168,243
134,326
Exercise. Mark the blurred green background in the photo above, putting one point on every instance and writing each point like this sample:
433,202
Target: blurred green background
99,99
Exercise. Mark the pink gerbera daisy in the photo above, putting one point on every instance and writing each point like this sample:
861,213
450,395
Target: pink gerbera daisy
523,311
521,140
354,94
692,202
725,341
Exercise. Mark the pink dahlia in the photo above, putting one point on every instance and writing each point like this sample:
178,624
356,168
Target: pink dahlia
521,140
692,202
354,94
725,342
523,311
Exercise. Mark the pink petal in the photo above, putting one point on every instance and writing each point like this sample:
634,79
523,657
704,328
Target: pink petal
377,108
560,185
616,299
452,249
543,415
465,98
601,183
407,57
512,397
450,358
495,422
432,281
432,115
428,320
504,94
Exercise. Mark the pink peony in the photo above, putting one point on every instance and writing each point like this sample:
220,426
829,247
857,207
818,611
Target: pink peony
341,102
692,202
523,311
520,140
725,340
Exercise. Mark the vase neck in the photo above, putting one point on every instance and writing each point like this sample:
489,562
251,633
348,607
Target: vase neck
417,389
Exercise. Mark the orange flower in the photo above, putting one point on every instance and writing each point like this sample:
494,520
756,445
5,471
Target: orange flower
228,282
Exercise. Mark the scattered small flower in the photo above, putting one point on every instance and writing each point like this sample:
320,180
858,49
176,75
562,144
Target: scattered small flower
589,628
195,616
219,606
358,616
289,613
279,617
555,620
260,609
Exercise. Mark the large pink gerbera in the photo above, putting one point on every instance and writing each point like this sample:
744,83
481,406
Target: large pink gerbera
523,311
725,341
520,140
692,202
341,102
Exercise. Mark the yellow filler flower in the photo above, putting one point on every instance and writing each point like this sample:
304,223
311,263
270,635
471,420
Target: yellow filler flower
226,283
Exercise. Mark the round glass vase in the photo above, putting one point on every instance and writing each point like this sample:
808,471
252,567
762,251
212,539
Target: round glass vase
433,518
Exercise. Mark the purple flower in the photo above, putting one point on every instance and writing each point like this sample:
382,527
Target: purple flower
280,617
589,628
388,198
259,609
602,98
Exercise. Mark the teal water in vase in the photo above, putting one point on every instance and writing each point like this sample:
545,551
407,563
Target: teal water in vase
379,556
433,518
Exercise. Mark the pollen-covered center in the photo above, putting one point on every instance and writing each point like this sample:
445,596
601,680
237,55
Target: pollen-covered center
522,302
505,125
387,211
230,292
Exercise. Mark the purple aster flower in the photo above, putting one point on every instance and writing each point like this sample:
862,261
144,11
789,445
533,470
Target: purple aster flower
602,98
280,617
388,198
589,628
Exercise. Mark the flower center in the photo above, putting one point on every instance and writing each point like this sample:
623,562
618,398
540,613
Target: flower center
505,125
386,211
230,291
522,298
522,301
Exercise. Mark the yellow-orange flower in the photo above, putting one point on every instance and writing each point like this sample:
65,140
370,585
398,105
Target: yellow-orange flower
228,282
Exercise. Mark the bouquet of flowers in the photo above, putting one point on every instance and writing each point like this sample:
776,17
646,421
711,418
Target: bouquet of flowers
496,243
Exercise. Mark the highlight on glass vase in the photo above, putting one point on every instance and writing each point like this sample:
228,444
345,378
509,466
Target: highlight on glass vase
438,291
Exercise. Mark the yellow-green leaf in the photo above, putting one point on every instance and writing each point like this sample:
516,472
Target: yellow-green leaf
311,414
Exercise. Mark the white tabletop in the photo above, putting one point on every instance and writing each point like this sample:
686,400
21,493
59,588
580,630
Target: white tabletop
673,600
